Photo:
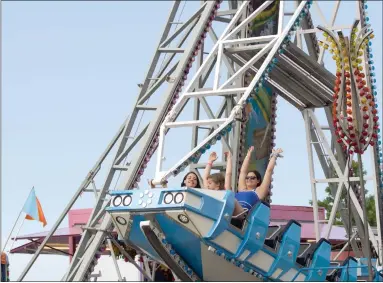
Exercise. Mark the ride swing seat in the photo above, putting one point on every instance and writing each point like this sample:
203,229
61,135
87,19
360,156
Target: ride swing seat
191,231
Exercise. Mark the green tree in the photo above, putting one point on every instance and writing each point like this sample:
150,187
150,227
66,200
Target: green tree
328,202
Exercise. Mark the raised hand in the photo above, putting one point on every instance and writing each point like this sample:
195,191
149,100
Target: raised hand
228,155
164,183
278,150
213,157
251,149
150,182
276,153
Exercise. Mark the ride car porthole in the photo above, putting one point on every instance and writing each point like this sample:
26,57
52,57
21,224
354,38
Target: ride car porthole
183,218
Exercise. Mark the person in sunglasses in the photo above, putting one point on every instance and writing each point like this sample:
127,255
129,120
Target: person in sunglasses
251,187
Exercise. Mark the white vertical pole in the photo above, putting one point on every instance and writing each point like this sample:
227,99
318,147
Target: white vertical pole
377,208
281,16
337,199
307,119
18,232
110,245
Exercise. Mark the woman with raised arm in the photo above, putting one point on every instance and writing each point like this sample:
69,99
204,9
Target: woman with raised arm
251,188
239,211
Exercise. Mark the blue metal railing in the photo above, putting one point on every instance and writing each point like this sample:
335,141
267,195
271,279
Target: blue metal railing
335,267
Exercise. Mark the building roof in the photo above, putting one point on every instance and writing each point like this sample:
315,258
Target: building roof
298,213
50,248
280,214
60,232
57,244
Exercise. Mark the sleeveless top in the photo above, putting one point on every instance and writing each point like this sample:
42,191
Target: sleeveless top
247,199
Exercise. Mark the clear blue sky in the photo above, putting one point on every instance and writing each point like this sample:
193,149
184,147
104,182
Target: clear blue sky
70,72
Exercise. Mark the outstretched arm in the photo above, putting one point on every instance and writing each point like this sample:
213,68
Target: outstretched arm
244,170
263,189
228,171
212,158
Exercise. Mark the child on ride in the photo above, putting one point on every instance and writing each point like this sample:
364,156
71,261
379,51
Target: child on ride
251,189
214,181
217,181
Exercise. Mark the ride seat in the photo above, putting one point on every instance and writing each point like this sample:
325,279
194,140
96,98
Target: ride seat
303,247
276,237
273,230
341,274
239,222
331,272
304,258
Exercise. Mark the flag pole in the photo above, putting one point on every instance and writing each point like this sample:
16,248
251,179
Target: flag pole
14,225
18,232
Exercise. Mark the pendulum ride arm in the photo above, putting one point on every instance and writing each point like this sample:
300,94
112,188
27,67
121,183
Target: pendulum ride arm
270,51
147,140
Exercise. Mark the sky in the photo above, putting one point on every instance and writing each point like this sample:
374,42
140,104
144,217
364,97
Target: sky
69,79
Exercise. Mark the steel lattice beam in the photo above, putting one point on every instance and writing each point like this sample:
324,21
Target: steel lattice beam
204,15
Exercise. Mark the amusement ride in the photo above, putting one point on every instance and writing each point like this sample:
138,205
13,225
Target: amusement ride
264,51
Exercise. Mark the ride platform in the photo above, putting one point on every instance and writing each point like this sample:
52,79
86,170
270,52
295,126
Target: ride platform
190,231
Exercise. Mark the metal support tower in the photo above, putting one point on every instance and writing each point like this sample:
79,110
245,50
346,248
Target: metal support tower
252,59
273,60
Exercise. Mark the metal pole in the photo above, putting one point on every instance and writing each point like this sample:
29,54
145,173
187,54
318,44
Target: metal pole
13,228
337,199
365,220
137,260
146,265
357,119
17,234
378,204
147,139
312,177
154,269
341,157
68,275
130,259
345,246
114,260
